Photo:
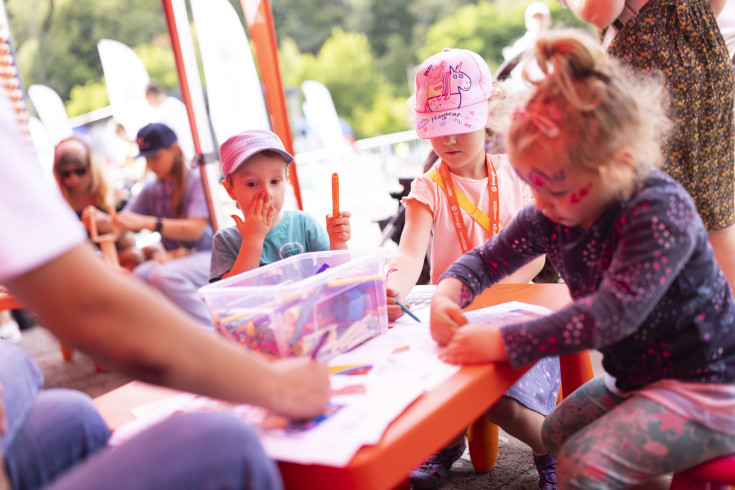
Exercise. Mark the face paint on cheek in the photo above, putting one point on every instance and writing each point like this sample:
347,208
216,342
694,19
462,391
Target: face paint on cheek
577,196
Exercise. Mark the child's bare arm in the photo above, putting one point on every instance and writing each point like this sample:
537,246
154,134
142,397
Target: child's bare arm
339,230
406,266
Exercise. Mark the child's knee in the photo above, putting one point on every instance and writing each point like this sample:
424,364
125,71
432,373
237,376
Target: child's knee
548,435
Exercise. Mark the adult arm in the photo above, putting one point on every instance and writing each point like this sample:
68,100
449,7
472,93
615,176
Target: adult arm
184,229
600,13
121,323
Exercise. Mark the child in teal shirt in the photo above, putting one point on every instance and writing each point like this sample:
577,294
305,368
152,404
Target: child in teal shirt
254,165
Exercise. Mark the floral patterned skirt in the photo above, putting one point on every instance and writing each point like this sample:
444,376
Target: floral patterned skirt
680,41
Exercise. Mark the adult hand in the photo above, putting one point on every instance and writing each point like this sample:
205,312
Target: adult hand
134,221
339,230
473,344
258,219
446,318
302,388
102,220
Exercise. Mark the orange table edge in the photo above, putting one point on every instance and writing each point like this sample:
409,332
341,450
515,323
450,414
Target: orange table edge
425,426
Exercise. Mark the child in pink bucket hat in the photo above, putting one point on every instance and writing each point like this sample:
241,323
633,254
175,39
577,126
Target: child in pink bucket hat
466,198
254,167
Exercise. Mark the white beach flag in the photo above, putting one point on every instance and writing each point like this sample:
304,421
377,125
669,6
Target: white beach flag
321,116
126,78
233,87
51,111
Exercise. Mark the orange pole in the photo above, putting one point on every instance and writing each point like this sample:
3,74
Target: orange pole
263,32
168,12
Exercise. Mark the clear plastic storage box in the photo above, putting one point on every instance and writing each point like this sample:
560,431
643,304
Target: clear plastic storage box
284,309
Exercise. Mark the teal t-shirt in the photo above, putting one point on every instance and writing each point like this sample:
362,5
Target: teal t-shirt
297,233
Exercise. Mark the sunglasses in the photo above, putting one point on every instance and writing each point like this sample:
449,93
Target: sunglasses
65,174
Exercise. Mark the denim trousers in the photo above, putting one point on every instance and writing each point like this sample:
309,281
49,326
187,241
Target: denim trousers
48,431
56,440
178,280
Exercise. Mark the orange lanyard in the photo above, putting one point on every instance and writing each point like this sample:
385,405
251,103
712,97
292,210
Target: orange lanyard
455,208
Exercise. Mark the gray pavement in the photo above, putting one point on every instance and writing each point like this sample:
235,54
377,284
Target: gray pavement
514,469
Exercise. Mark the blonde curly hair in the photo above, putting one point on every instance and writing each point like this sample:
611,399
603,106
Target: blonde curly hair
589,109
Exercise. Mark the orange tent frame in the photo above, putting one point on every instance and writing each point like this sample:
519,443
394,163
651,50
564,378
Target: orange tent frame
263,33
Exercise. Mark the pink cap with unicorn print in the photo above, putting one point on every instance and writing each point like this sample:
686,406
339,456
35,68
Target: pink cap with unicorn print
452,91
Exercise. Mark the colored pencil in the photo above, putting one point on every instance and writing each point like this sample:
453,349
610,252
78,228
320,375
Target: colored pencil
319,344
406,310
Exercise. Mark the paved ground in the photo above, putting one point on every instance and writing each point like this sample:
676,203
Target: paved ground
514,469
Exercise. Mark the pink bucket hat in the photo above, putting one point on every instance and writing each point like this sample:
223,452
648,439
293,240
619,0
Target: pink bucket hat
452,90
242,146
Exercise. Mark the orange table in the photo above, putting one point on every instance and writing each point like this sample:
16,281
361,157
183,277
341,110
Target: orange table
427,425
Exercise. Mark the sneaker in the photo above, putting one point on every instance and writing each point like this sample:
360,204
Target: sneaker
434,471
546,467
10,331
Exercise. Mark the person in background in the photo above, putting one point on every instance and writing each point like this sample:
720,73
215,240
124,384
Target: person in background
55,439
84,184
254,165
453,93
681,42
537,18
171,112
175,206
647,291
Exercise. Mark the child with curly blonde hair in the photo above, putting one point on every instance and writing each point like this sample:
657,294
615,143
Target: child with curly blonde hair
647,291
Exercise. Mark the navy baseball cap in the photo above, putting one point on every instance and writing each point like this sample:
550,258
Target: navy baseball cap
154,137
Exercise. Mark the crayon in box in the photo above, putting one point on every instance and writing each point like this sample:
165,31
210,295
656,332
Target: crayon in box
284,309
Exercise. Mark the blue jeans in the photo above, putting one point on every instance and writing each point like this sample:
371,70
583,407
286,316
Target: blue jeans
56,440
178,280
194,450
48,431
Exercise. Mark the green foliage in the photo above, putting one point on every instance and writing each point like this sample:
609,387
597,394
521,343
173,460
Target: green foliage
86,98
346,66
363,51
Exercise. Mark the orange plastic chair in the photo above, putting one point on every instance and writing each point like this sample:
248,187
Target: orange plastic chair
576,369
717,474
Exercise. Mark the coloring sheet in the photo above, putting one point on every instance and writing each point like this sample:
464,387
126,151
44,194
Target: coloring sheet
370,386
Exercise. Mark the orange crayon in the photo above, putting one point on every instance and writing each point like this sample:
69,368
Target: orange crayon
335,195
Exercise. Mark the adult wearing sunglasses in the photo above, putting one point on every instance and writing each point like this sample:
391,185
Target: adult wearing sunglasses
84,185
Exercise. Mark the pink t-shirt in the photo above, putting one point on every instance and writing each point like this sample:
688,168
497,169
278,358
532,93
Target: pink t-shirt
513,195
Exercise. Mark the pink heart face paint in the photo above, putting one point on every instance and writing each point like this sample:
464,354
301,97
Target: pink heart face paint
579,195
569,196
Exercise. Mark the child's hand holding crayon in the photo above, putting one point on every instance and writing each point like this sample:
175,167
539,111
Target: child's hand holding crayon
338,223
339,230
446,313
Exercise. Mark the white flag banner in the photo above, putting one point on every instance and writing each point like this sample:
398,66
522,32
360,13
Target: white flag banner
44,147
51,111
235,96
126,78
321,116
191,67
